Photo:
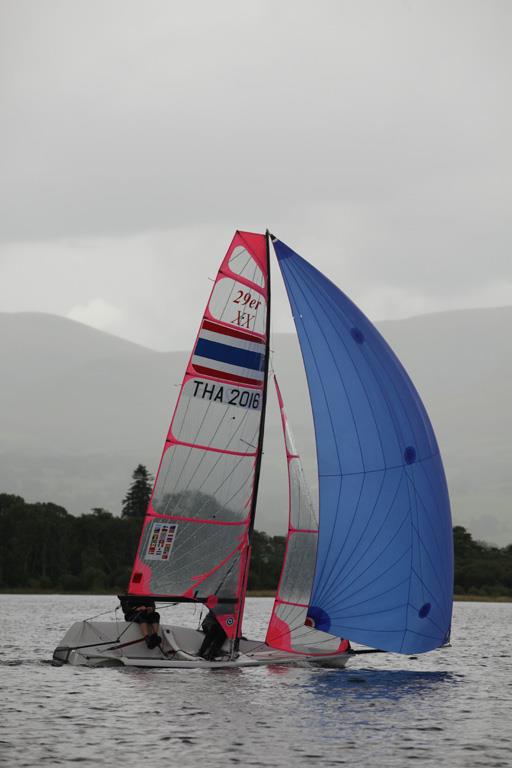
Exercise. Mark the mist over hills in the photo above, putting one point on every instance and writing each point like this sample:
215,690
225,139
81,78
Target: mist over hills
79,409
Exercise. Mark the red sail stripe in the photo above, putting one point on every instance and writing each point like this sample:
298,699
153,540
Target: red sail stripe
228,330
226,376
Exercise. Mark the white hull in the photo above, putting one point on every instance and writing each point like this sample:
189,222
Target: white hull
109,643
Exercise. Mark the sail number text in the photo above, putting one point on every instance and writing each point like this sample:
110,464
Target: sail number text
219,393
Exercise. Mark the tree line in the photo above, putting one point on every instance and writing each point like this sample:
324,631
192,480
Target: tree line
43,547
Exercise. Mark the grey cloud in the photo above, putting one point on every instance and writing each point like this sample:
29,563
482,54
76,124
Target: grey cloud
372,136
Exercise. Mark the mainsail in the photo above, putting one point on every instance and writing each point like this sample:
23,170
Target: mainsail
195,538
384,568
287,629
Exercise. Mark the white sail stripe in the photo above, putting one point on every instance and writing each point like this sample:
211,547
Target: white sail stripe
236,370
232,341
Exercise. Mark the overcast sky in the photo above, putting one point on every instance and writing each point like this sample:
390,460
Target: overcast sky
135,137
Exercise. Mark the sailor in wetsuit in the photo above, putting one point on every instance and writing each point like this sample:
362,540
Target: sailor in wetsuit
141,610
214,637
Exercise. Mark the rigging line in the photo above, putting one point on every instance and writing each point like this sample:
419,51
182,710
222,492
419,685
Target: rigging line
307,638
376,355
241,272
357,578
347,559
206,570
201,579
392,609
377,381
423,634
337,310
234,560
411,523
299,291
442,586
308,632
307,339
361,587
211,532
427,517
321,309
215,532
214,536
190,449
199,428
224,481
326,577
384,468
308,506
345,563
210,495
257,267
377,533
103,613
412,429
180,495
226,412
241,423
343,609
204,453
303,632
321,576
336,608
415,526
430,619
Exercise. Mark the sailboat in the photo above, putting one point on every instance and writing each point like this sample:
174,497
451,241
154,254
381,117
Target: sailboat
374,568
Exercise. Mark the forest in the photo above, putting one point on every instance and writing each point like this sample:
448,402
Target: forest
44,548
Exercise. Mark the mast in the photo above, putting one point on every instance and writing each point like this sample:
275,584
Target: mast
259,451
264,399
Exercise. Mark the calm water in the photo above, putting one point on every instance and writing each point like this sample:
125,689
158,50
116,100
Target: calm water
451,707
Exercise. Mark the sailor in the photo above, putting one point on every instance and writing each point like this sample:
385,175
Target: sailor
214,637
142,611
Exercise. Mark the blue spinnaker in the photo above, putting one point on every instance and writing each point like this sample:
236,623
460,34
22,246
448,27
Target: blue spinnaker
384,570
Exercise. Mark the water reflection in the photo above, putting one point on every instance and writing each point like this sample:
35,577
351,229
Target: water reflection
372,684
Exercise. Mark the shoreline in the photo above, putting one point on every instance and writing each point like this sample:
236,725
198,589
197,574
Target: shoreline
250,593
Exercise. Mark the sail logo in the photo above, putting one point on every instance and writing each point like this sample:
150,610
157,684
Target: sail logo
246,299
161,539
228,353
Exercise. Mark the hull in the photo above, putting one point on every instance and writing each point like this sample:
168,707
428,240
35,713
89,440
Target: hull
120,644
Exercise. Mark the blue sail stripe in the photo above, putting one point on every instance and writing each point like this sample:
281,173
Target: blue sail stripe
223,353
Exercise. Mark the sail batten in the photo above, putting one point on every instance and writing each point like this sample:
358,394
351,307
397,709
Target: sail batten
385,529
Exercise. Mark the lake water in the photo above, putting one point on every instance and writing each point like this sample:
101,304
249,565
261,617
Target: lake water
451,707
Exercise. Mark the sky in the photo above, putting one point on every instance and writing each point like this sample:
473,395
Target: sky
371,136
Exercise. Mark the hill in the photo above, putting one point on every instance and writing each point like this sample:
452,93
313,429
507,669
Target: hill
79,409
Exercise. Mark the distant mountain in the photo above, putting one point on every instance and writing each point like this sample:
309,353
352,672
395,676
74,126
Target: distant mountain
79,409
